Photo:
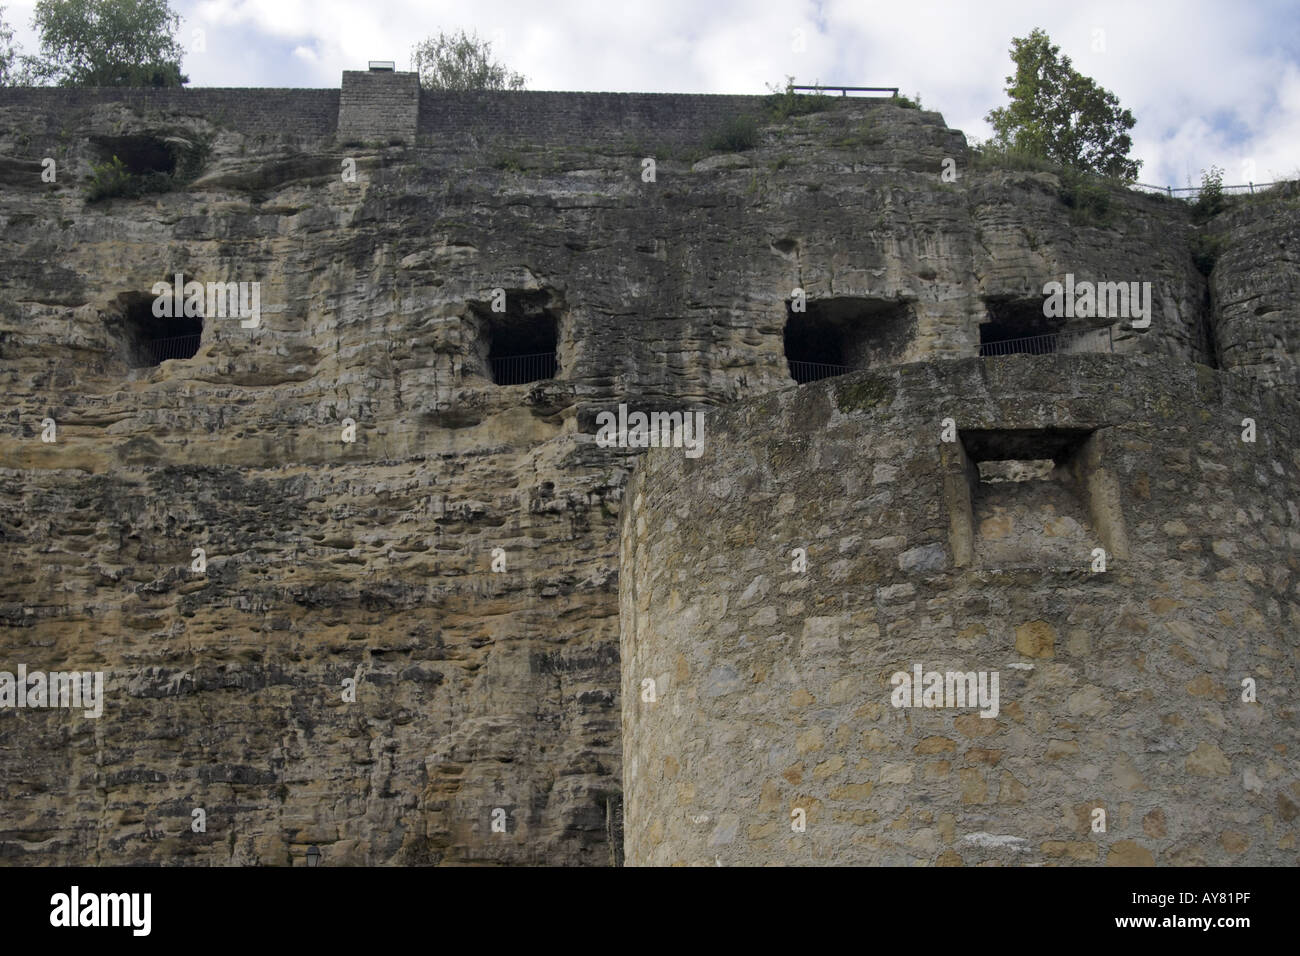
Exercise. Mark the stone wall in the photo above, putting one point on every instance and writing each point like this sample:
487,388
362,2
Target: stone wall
1120,690
526,118
379,105
51,111
377,101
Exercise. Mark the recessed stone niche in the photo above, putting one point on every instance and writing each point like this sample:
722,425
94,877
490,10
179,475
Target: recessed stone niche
140,154
1032,498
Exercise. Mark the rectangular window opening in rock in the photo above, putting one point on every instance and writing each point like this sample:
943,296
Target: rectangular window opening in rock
840,334
146,340
520,344
1032,498
1017,326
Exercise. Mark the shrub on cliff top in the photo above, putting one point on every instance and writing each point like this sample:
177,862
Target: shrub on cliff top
785,102
734,136
1087,195
1209,201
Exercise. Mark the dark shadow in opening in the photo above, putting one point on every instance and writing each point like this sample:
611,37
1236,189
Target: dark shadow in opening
844,333
523,340
1018,327
151,340
140,154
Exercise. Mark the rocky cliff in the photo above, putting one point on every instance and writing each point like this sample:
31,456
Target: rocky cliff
458,559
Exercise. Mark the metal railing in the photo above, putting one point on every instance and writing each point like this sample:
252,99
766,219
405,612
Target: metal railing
157,351
1194,192
844,90
805,372
521,369
1078,340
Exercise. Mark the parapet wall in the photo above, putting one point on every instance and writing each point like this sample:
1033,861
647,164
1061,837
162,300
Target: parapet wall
756,695
306,113
530,118
380,106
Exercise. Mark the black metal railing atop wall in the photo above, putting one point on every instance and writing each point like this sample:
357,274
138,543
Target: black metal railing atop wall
845,90
521,369
805,372
157,351
1080,340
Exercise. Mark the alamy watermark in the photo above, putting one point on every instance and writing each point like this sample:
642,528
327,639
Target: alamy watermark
1104,300
216,300
924,688
75,908
72,689
651,430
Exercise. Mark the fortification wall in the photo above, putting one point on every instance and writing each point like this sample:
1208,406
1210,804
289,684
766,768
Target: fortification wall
1120,690
50,111
378,105
528,118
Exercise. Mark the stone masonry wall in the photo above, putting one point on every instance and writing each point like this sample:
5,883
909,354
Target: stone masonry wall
51,110
527,118
379,106
1120,690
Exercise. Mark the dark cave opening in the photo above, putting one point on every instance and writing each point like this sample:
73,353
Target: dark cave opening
151,340
523,340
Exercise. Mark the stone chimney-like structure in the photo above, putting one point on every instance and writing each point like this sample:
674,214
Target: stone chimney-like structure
379,105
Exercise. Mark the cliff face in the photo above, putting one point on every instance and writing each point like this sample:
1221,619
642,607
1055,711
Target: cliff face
477,690
1255,287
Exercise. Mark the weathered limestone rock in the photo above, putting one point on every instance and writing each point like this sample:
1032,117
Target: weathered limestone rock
1255,287
487,695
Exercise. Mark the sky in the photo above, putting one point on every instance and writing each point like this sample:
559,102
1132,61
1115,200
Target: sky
1211,82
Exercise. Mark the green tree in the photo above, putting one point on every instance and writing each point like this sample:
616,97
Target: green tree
461,62
108,43
9,54
1057,113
